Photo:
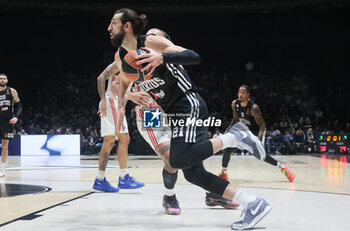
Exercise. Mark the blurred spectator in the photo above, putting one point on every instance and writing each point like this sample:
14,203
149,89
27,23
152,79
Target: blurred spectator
92,141
268,141
58,131
278,142
310,141
299,140
68,131
22,132
288,141
217,133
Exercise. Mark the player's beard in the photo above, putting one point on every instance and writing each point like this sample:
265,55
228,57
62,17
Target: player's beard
3,84
117,40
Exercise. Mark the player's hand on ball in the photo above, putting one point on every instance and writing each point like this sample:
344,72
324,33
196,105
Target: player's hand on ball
140,98
13,120
153,58
103,108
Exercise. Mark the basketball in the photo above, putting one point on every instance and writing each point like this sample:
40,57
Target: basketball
131,69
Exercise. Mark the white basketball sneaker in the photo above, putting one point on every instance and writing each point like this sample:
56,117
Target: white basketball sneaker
255,212
246,140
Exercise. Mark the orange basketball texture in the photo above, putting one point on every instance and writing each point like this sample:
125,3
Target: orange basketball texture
131,69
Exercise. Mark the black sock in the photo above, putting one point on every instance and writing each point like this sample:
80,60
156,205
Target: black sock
169,179
226,156
271,160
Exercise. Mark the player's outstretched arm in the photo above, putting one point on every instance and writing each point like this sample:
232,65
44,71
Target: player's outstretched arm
162,50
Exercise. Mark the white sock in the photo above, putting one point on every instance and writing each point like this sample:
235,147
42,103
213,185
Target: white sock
123,172
243,198
224,170
169,192
2,166
228,140
101,175
279,165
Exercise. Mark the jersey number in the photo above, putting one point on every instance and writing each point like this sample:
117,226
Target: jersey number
178,132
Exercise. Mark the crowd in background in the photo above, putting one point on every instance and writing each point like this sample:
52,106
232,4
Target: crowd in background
295,116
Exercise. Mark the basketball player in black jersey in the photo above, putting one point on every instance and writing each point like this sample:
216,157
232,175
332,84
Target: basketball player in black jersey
10,110
248,112
189,143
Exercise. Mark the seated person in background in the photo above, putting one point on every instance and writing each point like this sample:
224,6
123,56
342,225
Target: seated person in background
299,140
288,141
310,141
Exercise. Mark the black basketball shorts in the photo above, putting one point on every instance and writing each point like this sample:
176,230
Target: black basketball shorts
6,129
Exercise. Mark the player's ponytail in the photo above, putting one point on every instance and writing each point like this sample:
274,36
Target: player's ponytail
143,23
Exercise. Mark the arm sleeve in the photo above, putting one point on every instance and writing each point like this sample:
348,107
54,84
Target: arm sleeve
186,57
18,109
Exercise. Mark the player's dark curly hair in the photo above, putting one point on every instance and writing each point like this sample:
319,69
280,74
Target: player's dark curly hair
138,22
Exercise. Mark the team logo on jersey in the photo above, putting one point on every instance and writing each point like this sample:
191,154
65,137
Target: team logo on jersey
152,119
159,94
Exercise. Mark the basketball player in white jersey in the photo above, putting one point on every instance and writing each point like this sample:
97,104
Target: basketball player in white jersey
108,113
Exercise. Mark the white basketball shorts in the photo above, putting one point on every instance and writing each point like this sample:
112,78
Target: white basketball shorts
108,122
153,137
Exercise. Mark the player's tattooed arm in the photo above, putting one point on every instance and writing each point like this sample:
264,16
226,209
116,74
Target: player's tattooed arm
15,95
235,116
111,70
256,113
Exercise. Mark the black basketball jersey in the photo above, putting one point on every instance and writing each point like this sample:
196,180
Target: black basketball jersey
6,103
169,82
245,116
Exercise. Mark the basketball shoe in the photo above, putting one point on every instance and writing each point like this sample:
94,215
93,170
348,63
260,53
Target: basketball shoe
104,186
247,141
255,211
223,175
212,199
129,183
288,173
171,205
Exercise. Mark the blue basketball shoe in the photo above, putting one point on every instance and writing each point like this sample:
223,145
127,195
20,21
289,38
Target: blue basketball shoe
129,183
104,186
255,211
